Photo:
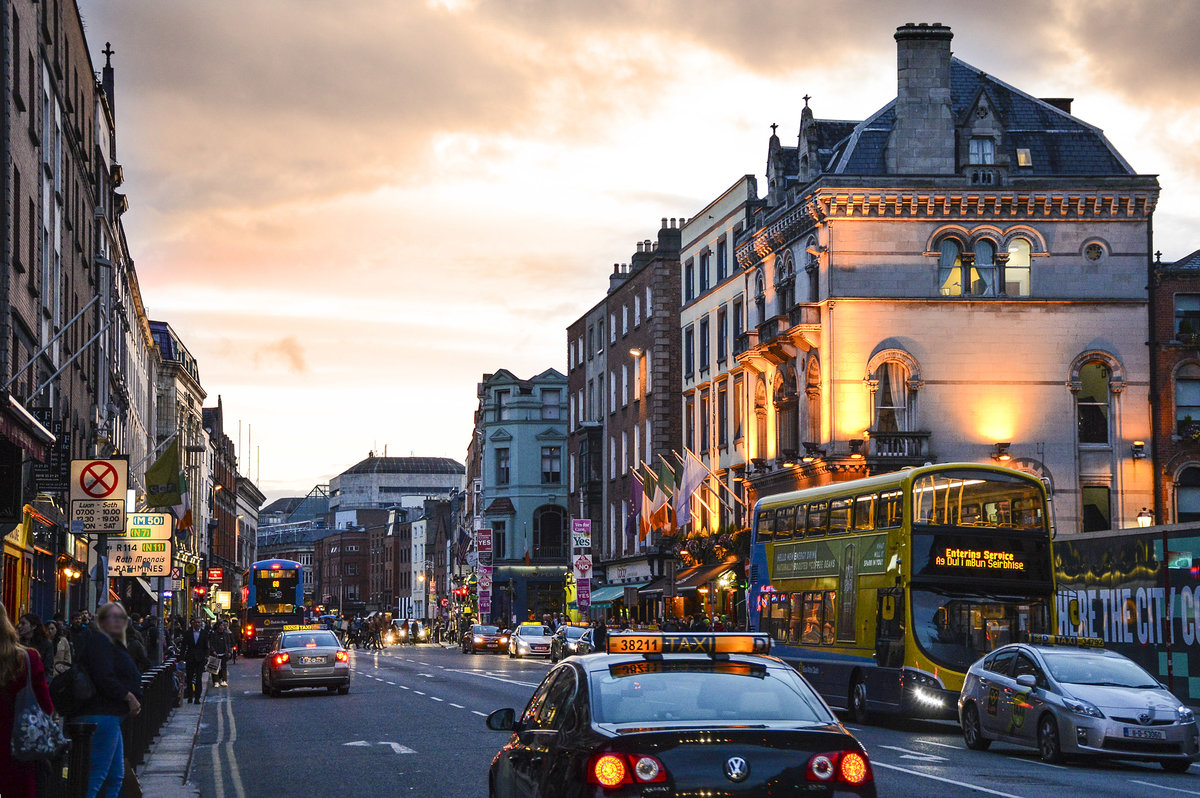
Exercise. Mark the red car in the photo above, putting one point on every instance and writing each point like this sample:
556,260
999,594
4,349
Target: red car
484,638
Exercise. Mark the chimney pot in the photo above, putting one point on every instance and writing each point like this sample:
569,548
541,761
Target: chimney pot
664,222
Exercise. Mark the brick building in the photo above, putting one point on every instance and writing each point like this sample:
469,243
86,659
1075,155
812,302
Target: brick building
221,493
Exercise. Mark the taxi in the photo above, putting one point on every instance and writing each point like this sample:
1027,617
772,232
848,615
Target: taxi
676,714
1069,696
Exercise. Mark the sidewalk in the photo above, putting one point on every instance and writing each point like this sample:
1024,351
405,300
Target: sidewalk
169,759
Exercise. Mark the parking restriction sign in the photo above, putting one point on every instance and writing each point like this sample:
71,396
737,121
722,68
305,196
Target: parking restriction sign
98,494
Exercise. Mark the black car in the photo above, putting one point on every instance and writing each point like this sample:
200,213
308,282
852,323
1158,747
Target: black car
720,719
569,640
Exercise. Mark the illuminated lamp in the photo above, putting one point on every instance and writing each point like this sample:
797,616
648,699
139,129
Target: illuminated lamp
1139,450
856,449
789,458
1145,518
635,352
812,451
1001,452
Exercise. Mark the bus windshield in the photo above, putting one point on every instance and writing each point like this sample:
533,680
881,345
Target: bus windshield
982,499
955,630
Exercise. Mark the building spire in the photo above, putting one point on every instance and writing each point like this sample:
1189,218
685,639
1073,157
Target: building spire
108,54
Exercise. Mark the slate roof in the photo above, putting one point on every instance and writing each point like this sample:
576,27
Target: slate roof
501,506
1060,144
284,505
1187,262
407,465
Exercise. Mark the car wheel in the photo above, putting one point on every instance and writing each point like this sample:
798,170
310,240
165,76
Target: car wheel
1175,765
1049,746
858,701
972,730
343,690
266,689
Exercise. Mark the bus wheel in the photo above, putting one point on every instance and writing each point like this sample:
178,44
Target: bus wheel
972,730
858,700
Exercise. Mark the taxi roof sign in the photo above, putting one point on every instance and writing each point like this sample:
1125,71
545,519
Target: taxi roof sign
710,643
1063,640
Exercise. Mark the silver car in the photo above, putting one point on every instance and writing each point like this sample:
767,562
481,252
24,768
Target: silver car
530,640
309,658
1067,700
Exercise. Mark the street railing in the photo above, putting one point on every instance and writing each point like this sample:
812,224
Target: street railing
158,699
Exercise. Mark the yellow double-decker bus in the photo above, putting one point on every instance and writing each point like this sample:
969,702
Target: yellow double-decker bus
882,591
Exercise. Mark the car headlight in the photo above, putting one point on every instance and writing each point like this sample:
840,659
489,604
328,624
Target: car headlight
504,640
1185,715
478,639
1080,707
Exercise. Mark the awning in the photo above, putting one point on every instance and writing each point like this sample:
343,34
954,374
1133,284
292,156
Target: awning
696,577
144,585
655,586
607,595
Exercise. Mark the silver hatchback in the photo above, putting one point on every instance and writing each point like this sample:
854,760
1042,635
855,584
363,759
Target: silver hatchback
1066,700
307,658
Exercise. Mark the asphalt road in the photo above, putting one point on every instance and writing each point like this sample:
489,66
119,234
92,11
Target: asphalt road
413,725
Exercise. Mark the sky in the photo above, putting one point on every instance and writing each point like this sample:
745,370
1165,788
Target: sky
350,211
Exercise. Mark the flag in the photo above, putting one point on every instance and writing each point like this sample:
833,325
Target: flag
183,510
660,514
527,557
694,473
162,479
462,545
650,490
636,490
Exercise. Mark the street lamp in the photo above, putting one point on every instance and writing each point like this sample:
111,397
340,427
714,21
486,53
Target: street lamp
1145,518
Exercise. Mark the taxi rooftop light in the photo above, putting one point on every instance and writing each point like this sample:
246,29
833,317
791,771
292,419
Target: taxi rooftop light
1062,640
710,643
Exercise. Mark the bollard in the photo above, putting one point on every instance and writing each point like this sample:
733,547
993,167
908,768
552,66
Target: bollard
79,758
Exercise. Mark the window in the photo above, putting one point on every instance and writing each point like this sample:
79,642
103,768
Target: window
760,420
722,335
982,151
1016,270
818,519
589,411
612,392
637,310
502,466
704,258
812,395
599,336
892,398
624,385
1187,318
625,320
839,515
550,404
1024,157
637,445
612,457
1092,404
351,569
760,296
549,533
625,452
818,618
646,372
739,317
612,328
689,352
787,414
502,398
864,515
785,522
723,414
889,510
1097,508
739,407
689,422
1187,400
705,412
591,342
766,525
499,535
983,272
950,268
722,265
704,351
1187,495
689,280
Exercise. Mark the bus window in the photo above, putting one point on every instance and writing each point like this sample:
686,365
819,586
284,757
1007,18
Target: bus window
828,621
785,522
775,616
766,525
818,519
839,516
819,618
795,630
888,515
864,518
979,498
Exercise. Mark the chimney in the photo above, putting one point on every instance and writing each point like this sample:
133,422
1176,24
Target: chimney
922,139
1061,103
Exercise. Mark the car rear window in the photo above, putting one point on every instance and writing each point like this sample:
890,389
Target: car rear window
688,692
308,640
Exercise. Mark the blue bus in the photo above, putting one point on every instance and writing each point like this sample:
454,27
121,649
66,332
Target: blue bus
275,601
882,591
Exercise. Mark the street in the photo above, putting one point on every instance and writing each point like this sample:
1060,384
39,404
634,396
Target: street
413,725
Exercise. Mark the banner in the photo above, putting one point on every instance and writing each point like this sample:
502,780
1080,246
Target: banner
162,479
483,547
581,561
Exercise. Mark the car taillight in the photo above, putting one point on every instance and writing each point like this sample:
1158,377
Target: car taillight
249,630
614,770
849,767
342,656
282,659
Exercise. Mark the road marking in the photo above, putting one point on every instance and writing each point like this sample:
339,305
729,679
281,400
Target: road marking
418,692
480,714
358,743
457,706
225,718
399,749
943,745
497,678
1161,787
907,753
969,786
393,684
405,687
1048,765
426,675
435,698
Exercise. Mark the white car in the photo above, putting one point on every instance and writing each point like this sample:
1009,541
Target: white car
530,640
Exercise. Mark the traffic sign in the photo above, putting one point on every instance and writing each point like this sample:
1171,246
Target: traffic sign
177,572
139,557
149,526
98,494
215,575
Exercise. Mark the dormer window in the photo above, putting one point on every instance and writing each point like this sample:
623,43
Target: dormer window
982,151
1024,157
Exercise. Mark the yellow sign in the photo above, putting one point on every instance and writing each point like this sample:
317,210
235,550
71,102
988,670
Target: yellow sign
704,643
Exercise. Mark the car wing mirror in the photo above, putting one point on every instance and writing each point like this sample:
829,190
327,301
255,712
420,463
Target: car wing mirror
503,720
1027,680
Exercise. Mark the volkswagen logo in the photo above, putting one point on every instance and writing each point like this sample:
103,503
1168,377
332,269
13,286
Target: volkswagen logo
736,769
1144,718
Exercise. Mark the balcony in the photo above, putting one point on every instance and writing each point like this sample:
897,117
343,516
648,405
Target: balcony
805,315
899,448
773,328
744,342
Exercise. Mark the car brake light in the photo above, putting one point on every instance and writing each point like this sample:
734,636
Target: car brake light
282,659
614,770
342,656
849,767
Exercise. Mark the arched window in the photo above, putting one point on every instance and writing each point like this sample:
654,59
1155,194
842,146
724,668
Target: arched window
785,283
812,392
549,533
1092,403
1187,400
760,419
983,272
1016,270
892,399
787,411
950,268
1187,495
813,267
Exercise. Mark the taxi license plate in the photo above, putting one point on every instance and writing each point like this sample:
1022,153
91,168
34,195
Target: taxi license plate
1145,734
311,660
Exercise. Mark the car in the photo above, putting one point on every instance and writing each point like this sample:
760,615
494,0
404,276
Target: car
530,640
568,640
483,638
308,657
1069,697
676,714
406,634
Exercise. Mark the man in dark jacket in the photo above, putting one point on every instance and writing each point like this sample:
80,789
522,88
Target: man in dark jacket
194,652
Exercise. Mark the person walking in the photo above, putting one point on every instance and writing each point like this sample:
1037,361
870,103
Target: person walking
194,652
18,664
62,649
136,646
220,645
33,635
101,652
152,638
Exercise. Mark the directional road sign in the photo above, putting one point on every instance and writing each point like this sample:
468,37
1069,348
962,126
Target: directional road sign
148,526
139,557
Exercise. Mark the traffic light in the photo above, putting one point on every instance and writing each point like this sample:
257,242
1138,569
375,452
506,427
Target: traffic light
199,591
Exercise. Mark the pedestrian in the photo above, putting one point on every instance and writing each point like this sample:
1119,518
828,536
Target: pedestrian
235,635
62,649
18,664
600,635
136,647
220,645
194,652
101,652
33,635
152,639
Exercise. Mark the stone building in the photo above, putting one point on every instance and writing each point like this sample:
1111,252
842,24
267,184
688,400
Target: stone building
959,277
221,496
382,482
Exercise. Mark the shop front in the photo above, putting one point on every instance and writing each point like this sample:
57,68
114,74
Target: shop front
711,591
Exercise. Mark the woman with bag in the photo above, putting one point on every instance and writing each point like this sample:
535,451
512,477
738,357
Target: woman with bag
33,635
62,649
101,651
18,667
220,645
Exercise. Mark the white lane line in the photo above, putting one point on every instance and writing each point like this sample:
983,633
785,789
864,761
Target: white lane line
418,692
969,786
477,712
393,684
942,745
908,753
435,698
497,678
457,706
405,687
1048,765
1161,787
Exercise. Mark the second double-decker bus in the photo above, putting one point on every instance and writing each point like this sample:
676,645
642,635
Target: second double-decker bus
275,600
884,590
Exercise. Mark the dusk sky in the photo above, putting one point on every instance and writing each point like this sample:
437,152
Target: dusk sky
351,210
